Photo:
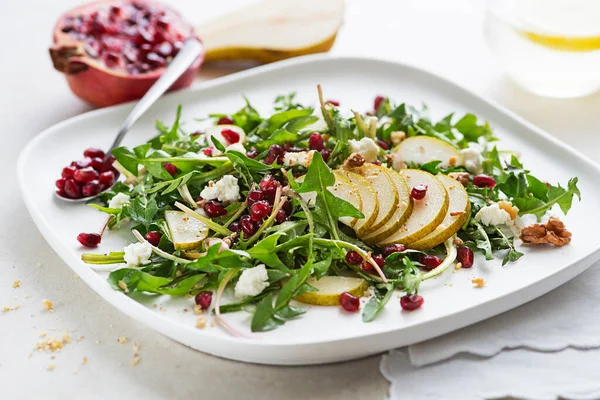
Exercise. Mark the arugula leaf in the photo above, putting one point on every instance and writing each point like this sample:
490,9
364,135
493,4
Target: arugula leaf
555,195
377,302
278,120
143,210
264,318
137,280
266,252
127,158
173,134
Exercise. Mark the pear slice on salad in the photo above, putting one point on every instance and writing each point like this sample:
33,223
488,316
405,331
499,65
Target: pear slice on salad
187,233
370,201
380,180
459,209
403,211
216,132
329,289
427,213
423,149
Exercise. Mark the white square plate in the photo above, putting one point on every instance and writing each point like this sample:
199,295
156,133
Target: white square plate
324,334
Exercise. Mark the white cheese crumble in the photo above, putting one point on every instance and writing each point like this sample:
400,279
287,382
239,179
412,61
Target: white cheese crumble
472,159
119,200
252,281
492,215
137,254
225,189
366,147
303,158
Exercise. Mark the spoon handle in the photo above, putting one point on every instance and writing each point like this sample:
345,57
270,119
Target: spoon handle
190,50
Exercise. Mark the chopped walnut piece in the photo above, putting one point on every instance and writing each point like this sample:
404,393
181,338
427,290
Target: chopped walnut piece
122,339
462,177
397,136
552,232
478,282
456,213
355,160
452,161
458,241
200,322
509,208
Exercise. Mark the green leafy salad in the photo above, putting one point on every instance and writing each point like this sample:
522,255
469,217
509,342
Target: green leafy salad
322,206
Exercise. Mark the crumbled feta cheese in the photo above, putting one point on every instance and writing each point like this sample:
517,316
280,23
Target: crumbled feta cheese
137,254
366,147
252,281
303,158
119,200
237,147
492,215
225,189
472,159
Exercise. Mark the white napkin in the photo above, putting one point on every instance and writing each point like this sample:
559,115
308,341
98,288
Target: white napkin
562,322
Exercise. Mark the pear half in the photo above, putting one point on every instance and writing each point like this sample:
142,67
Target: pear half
273,30
427,213
459,209
400,216
330,289
370,201
187,233
423,149
381,181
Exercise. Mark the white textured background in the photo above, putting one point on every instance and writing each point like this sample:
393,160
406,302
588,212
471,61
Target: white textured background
440,35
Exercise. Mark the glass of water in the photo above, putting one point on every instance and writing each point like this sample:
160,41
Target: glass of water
550,47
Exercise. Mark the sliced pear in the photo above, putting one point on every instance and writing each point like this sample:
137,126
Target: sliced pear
370,201
215,131
273,30
403,211
187,233
459,208
380,180
330,288
427,214
423,149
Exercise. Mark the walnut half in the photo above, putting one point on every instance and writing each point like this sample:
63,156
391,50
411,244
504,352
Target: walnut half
355,160
552,232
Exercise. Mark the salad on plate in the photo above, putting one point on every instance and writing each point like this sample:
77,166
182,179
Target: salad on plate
321,206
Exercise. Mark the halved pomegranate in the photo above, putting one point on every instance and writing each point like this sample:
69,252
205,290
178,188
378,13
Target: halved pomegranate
112,51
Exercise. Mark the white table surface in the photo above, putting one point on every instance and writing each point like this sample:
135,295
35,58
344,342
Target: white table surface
440,35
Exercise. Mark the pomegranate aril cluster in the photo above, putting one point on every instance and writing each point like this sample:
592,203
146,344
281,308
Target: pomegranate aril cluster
131,35
88,176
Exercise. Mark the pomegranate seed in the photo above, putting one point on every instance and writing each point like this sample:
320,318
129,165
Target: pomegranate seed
91,188
377,162
349,302
83,163
107,178
383,144
430,262
97,163
275,151
325,153
484,181
60,184
93,152
393,248
203,299
93,48
315,142
155,60
258,224
260,210
165,49
418,192
72,189
379,100
353,258
465,256
85,175
411,302
108,166
269,186
111,60
208,151
163,22
280,217
287,207
247,226
225,121
334,103
90,240
235,227
252,153
254,196
214,209
368,267
153,237
231,136
67,172
170,168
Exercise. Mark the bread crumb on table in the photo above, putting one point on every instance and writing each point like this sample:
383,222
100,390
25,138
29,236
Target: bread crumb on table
122,339
16,284
200,322
135,361
50,367
478,282
48,305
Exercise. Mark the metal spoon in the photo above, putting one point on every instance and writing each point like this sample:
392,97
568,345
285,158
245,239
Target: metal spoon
190,50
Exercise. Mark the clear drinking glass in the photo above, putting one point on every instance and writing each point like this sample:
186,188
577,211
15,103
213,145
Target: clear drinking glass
550,47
